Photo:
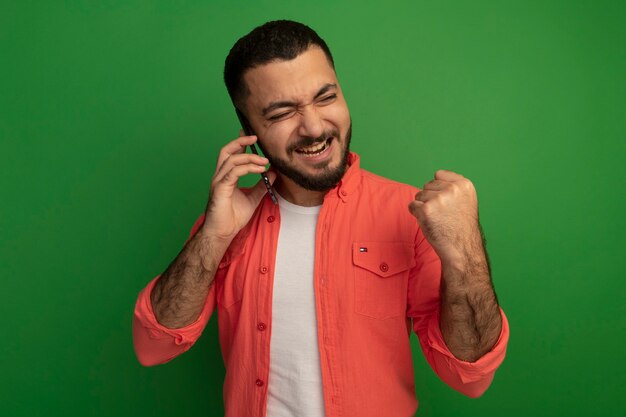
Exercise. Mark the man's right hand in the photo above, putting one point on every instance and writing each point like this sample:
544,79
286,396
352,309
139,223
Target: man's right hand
229,209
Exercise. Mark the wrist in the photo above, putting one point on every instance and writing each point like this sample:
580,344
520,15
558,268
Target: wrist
465,253
208,249
465,267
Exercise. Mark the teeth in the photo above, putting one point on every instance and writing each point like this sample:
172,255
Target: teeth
314,150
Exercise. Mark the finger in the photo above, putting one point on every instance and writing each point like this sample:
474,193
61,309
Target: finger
239,159
426,195
235,147
436,185
231,177
242,133
442,174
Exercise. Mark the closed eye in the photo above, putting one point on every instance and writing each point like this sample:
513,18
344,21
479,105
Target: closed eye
278,116
324,100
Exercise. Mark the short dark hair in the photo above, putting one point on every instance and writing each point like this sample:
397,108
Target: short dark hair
278,40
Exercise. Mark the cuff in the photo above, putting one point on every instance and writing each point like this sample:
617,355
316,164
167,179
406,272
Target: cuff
471,371
147,319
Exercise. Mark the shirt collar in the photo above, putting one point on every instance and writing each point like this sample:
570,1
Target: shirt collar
350,182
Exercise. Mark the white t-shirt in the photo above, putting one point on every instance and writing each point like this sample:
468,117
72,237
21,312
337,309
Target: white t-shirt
295,377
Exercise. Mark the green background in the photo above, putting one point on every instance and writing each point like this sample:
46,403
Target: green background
111,118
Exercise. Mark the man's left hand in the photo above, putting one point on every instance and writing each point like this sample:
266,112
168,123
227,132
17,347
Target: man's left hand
447,211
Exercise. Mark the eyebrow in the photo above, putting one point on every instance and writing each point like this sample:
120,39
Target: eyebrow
278,104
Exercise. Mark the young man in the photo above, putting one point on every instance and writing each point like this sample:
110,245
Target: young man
316,296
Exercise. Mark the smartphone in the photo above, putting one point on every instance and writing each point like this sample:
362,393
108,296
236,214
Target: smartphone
247,129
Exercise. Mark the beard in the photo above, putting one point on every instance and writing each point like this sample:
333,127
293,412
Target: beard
328,178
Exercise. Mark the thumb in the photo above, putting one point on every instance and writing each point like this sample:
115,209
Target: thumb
415,208
259,190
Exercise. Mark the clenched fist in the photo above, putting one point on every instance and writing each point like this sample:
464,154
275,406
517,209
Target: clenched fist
447,211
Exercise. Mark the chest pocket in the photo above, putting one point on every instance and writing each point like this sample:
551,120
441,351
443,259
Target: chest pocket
381,271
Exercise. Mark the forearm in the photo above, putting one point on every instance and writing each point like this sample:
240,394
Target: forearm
180,292
470,314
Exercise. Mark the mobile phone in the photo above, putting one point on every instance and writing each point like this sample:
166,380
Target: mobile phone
247,129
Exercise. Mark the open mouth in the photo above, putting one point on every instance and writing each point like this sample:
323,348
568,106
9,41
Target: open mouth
316,149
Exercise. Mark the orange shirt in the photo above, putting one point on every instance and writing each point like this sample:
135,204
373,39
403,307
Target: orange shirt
375,278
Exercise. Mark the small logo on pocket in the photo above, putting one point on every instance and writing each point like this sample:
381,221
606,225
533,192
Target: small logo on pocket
363,249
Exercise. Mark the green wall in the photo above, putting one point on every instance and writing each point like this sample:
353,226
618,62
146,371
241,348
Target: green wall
111,117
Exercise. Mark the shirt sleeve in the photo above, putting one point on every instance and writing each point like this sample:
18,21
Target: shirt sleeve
156,344
469,378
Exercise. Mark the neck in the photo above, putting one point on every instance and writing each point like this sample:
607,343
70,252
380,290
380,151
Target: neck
297,195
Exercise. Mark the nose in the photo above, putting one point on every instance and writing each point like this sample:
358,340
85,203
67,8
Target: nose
311,123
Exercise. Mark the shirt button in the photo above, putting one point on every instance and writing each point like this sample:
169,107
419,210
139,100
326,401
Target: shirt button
270,219
263,270
344,193
384,267
260,326
259,383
